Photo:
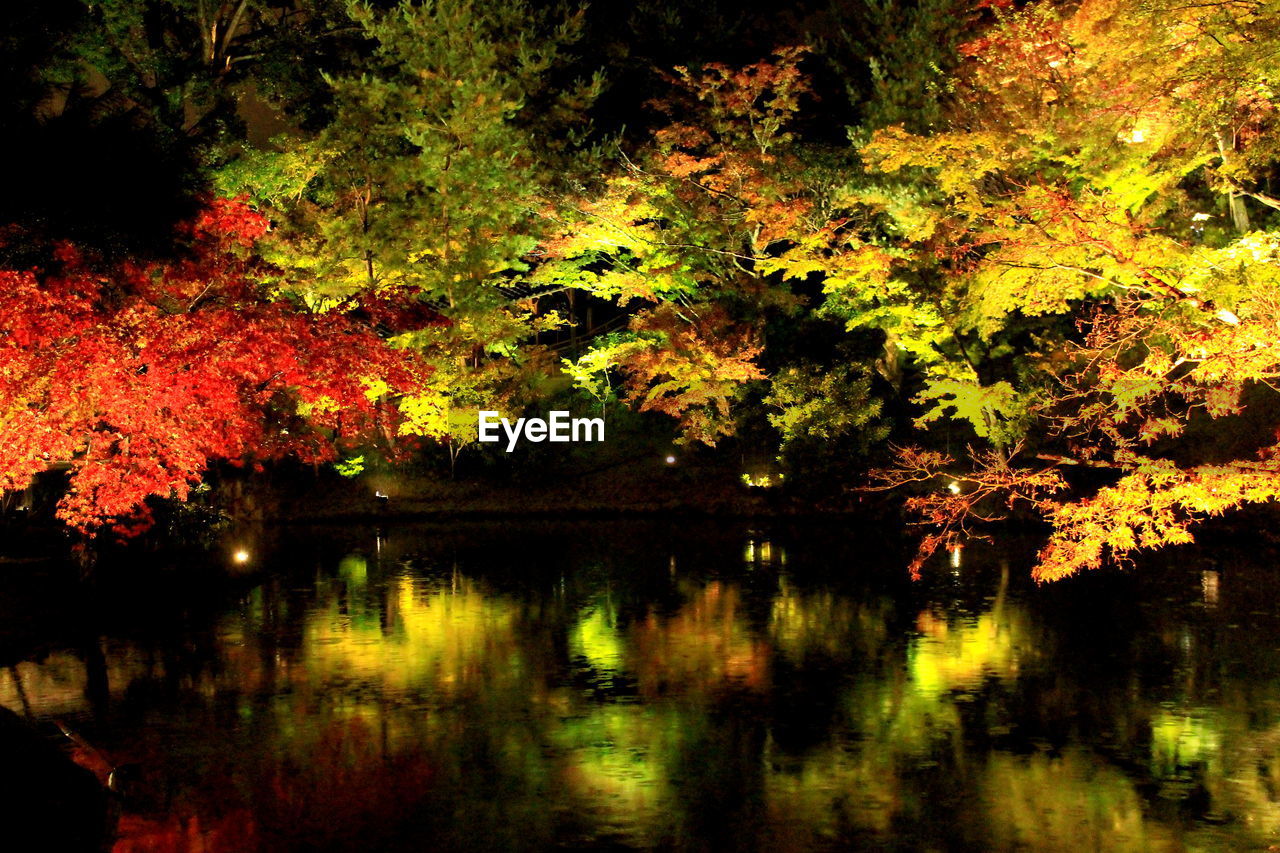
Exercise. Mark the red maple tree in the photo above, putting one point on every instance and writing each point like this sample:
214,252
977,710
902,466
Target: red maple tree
137,377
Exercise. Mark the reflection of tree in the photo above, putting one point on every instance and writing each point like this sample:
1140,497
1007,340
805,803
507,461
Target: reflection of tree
597,638
803,624
435,639
1065,802
617,763
910,748
372,705
705,645
962,653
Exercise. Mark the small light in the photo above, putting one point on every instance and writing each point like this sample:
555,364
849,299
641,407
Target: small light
953,487
241,556
671,460
955,557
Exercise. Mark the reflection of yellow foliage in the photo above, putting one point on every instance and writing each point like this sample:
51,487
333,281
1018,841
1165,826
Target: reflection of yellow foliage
354,569
617,764
1180,739
804,623
595,637
1072,802
910,723
397,687
704,646
959,654
1243,768
56,685
445,639
833,788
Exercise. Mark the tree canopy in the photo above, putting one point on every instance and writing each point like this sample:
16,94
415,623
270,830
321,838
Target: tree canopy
999,258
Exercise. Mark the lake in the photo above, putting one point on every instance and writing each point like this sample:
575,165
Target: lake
681,685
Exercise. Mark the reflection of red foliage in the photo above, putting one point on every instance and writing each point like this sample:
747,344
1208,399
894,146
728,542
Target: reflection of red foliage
313,807
704,647
139,376
235,832
344,790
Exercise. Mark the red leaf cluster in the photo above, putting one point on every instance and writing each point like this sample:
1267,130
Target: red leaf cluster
138,377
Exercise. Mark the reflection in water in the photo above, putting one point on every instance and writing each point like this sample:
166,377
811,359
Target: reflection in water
411,636
961,652
704,646
1069,801
392,699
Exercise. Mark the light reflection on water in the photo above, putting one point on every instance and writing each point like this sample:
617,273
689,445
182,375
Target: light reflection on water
477,691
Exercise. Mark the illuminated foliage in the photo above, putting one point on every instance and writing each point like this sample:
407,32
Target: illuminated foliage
428,184
821,415
689,370
1049,239
138,377
1064,189
695,222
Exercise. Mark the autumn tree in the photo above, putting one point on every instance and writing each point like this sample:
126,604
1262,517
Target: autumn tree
1064,214
429,181
682,236
137,377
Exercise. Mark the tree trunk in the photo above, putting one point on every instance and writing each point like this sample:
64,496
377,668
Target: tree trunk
1235,200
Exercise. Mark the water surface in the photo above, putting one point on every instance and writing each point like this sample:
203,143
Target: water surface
641,685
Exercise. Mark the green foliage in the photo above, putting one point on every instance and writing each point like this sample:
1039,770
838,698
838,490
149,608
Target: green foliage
896,58
437,166
273,178
590,371
812,406
996,412
429,183
187,66
352,466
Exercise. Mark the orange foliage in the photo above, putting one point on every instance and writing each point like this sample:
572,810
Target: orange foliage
690,369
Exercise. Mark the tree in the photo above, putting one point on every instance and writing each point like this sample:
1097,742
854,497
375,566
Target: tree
687,229
431,180
895,57
1065,192
138,377
188,66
